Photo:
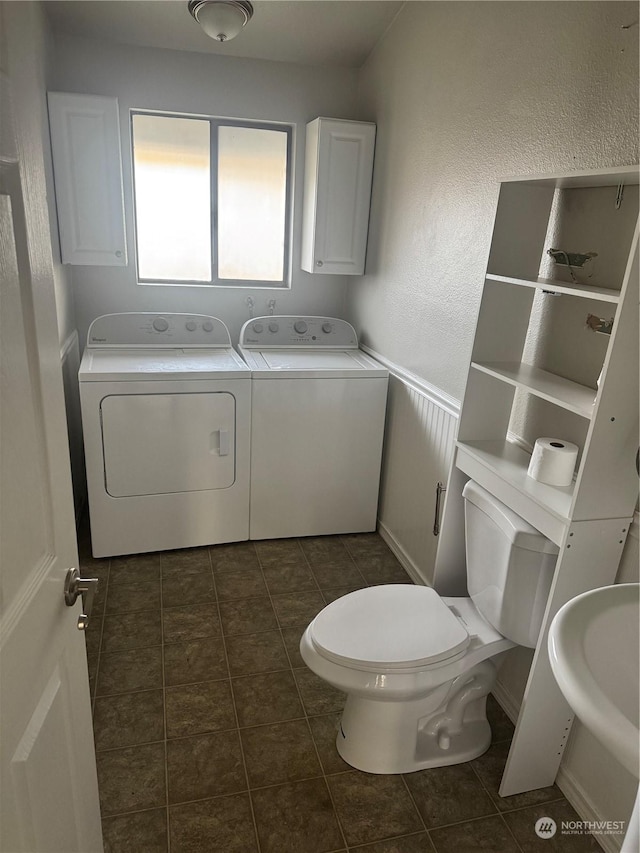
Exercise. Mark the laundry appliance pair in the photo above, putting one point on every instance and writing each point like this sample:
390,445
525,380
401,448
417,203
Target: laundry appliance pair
187,444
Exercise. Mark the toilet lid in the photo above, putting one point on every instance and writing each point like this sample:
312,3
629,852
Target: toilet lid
395,626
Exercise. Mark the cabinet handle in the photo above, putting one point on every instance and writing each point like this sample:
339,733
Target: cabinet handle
118,254
436,521
318,263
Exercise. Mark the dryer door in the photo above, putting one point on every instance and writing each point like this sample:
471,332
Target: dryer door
156,444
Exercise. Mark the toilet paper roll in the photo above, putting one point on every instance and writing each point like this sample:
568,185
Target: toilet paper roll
553,461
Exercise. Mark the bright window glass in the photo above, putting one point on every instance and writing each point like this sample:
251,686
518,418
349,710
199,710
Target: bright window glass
187,168
172,172
252,203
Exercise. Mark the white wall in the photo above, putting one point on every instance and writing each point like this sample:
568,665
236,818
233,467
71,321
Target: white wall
464,94
151,78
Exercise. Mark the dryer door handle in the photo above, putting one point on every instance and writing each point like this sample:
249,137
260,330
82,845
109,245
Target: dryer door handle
223,442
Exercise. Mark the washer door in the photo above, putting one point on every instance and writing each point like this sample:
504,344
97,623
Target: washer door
156,444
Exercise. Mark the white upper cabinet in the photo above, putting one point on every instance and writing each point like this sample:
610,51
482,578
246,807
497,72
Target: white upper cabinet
337,194
85,142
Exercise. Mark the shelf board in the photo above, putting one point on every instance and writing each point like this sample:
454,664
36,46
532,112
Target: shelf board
562,392
585,291
509,463
609,177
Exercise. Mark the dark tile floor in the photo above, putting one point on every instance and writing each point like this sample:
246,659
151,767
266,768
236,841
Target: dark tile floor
213,737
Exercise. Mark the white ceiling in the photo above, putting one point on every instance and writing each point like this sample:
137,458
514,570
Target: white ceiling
329,32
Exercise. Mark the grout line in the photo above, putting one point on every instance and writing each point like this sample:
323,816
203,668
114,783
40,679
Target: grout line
235,707
306,715
508,828
300,699
366,844
164,717
99,653
415,804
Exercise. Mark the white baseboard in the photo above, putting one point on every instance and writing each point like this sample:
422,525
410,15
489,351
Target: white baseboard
403,558
587,811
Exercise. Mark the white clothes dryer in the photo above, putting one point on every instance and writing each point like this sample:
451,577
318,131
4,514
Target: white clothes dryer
318,411
166,415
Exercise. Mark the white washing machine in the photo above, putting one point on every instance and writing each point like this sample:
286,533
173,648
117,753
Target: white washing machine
318,410
166,414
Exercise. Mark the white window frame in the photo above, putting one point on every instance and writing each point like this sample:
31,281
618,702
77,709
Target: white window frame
214,123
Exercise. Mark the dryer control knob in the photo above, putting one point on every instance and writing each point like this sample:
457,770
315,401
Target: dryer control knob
191,326
258,327
300,327
160,324
326,328
273,327
207,326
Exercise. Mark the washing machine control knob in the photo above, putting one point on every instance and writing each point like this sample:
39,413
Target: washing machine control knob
258,327
273,327
207,326
300,327
191,326
160,324
326,328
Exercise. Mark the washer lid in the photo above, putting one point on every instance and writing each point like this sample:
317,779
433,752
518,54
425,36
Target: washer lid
312,364
394,626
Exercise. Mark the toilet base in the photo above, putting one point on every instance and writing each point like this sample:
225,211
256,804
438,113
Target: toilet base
449,726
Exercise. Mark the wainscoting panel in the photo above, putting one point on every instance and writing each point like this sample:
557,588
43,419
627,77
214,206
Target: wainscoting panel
419,435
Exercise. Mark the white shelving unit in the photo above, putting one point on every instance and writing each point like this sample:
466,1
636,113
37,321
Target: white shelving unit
533,372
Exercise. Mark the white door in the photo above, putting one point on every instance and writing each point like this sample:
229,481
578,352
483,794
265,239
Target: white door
49,786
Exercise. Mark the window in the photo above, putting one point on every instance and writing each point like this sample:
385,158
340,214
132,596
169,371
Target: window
212,201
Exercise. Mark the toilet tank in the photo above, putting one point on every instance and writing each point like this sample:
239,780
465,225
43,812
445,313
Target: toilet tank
510,566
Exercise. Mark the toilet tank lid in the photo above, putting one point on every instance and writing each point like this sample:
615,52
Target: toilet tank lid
515,528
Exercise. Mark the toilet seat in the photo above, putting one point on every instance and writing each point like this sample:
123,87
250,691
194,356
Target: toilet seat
394,627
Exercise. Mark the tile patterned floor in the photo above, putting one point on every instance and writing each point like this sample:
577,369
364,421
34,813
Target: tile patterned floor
213,737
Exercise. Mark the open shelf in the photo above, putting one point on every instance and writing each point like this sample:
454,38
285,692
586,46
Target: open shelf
585,291
562,392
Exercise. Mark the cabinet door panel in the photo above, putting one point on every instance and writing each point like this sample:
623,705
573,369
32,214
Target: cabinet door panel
85,142
339,174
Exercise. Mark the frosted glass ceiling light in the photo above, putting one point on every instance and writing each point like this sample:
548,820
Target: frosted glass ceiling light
221,19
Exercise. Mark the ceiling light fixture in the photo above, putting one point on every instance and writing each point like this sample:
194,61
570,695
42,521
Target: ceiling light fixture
221,19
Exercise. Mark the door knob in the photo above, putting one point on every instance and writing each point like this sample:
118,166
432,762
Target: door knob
74,586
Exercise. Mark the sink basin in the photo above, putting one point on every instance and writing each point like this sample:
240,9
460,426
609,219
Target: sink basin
594,643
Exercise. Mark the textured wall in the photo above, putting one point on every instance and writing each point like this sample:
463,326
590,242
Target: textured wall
186,82
464,94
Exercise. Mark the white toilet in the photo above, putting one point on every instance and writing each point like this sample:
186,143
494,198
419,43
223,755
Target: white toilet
416,667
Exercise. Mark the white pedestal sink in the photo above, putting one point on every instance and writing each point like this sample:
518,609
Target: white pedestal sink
594,648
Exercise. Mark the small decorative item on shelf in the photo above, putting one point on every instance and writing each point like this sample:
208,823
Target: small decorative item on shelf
571,260
599,324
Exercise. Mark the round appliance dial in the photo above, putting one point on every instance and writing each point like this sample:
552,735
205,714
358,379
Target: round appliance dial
258,327
326,328
207,326
191,326
300,327
273,327
160,324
